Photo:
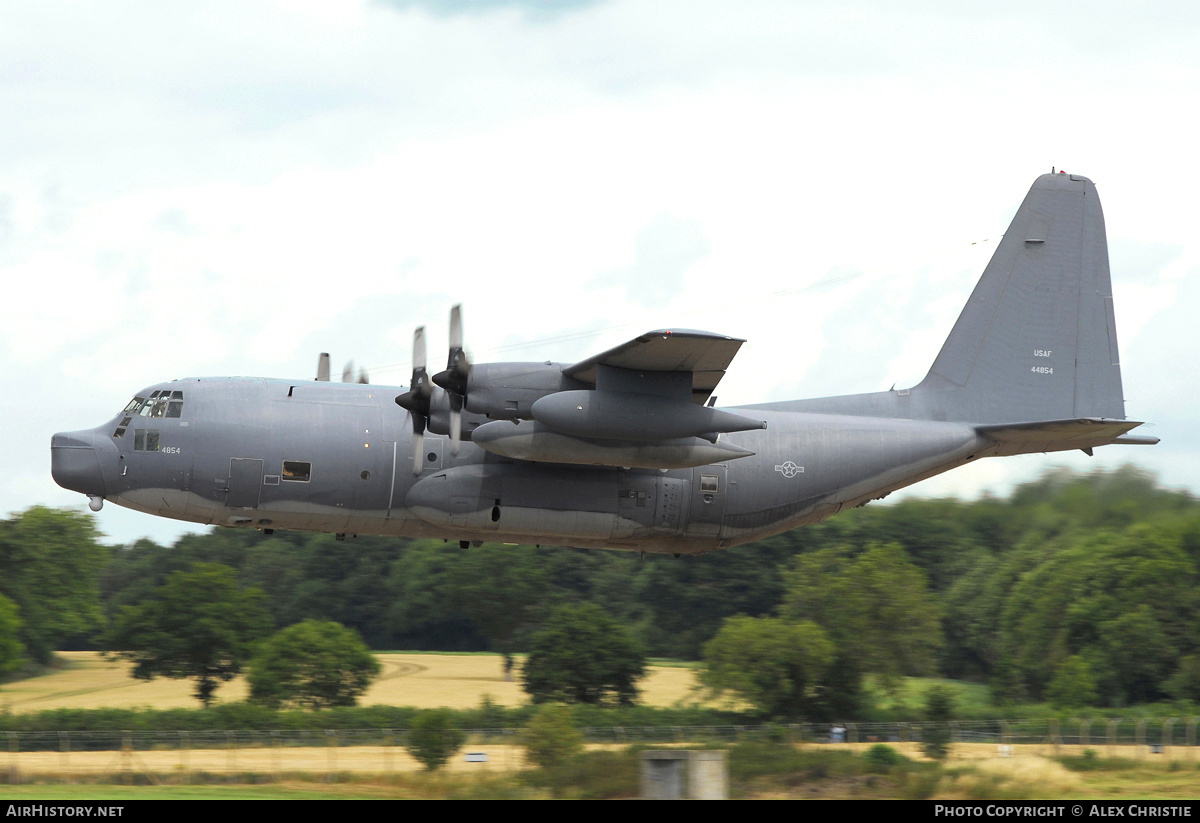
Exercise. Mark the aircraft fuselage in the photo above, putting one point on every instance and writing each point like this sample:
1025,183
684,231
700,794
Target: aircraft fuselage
333,457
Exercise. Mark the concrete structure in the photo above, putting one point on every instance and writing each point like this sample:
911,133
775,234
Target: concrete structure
675,774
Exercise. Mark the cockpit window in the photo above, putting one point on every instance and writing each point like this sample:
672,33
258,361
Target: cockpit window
161,403
120,432
156,406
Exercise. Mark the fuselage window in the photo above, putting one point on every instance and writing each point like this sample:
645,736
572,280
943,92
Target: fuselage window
297,471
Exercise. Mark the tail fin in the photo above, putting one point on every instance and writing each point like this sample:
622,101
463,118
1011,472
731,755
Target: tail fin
1038,339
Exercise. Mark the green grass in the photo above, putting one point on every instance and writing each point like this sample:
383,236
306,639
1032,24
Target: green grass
971,700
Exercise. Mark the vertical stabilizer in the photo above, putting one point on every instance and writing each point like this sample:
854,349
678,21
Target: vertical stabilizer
1037,340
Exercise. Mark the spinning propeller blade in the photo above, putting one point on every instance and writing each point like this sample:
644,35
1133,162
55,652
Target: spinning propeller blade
456,377
416,399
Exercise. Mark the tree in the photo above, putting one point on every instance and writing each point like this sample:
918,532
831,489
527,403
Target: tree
318,664
550,737
1073,685
553,744
1125,601
50,564
777,666
199,625
875,607
939,710
11,649
434,739
688,600
1185,683
583,656
498,587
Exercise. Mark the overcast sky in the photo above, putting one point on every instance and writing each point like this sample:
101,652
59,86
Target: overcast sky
230,188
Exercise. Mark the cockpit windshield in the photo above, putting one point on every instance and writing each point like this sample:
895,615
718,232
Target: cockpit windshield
163,403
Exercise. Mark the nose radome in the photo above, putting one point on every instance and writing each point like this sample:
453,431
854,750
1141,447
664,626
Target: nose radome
75,461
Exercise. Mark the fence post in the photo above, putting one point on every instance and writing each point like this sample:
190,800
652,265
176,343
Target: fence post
1166,738
184,746
331,743
126,757
14,748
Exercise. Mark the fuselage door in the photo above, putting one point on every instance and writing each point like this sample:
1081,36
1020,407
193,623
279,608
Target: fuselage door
708,500
245,483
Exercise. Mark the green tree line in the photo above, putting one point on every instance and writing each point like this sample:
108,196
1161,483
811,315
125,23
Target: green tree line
1076,588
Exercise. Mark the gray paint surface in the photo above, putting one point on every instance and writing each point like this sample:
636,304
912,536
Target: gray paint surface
624,453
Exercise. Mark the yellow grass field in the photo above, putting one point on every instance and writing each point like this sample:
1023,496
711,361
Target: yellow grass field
459,681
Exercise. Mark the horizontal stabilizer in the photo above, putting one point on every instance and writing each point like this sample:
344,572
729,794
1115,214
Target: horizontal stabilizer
1089,428
1060,435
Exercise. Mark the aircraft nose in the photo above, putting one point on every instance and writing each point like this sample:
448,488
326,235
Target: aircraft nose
75,461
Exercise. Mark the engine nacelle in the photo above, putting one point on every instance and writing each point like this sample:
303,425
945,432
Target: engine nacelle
439,416
507,391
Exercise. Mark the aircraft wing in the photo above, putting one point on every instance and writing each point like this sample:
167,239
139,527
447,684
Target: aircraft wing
704,354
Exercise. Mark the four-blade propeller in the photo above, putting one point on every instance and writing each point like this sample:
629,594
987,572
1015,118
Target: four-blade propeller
417,398
455,378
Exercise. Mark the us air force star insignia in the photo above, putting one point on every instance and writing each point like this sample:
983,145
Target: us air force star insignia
790,469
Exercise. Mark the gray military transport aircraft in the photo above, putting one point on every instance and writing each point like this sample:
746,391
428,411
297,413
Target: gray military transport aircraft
625,450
